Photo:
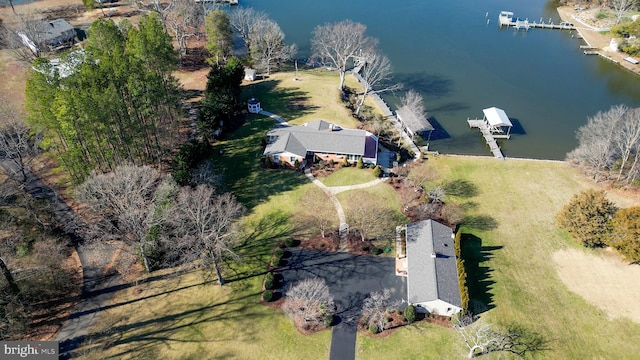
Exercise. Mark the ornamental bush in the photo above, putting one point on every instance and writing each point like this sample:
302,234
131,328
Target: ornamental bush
377,171
269,280
267,295
587,217
360,163
373,329
288,242
410,314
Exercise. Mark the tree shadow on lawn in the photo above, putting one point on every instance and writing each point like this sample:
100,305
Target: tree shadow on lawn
238,158
479,278
288,102
168,329
257,246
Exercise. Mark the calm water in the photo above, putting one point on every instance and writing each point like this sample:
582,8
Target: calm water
448,52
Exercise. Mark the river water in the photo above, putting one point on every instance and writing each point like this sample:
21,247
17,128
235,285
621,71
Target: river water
460,64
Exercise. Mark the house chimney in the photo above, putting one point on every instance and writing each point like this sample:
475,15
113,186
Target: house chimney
330,127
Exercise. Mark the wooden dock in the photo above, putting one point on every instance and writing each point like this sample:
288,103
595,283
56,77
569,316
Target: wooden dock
525,24
506,18
488,136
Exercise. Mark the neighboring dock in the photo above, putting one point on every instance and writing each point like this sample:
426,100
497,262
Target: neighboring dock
506,19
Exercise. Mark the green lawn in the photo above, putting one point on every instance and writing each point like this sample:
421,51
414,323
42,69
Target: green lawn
314,97
511,267
348,176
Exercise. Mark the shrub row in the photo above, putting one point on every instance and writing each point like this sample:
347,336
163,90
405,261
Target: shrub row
462,273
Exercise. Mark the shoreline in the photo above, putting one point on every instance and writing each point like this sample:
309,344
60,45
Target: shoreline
592,37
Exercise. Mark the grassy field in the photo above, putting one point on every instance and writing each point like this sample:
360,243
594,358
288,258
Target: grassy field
348,176
509,258
315,96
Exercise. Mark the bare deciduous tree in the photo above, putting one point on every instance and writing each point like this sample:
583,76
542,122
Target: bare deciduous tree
595,149
484,339
124,199
244,20
626,138
204,226
318,211
620,7
376,75
183,20
367,215
267,45
24,36
309,301
18,144
339,43
374,308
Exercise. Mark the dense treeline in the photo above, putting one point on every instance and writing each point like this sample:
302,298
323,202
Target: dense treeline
119,104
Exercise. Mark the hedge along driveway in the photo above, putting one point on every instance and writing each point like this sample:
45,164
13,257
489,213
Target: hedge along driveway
351,278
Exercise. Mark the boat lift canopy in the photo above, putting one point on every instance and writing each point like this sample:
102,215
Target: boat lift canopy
496,117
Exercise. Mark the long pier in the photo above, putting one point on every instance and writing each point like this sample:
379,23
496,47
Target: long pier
488,136
506,19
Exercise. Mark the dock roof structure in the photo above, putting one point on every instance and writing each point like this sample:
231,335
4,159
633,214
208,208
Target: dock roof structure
415,124
496,117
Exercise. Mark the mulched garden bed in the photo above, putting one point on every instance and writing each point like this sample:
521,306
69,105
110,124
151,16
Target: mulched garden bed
329,242
397,322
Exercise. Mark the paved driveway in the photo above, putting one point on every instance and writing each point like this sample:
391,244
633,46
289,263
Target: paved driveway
350,279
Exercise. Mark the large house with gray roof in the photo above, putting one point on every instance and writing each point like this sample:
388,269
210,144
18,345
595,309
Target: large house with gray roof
432,270
320,140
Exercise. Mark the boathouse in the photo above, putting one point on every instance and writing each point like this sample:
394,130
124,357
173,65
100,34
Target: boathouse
414,124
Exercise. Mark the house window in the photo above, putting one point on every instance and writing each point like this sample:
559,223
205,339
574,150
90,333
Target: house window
292,159
352,157
324,154
276,159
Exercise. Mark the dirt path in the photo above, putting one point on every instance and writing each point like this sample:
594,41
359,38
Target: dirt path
100,280
602,280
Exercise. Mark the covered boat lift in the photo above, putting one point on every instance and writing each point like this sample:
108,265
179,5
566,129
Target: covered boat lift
496,119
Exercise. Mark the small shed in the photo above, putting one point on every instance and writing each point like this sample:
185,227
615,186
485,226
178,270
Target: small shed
253,105
497,119
250,74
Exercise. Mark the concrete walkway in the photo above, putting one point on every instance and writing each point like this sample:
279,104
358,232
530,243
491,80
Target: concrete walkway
273,116
331,192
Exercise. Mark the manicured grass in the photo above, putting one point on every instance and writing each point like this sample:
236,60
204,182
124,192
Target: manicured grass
190,317
314,97
512,267
509,262
348,176
419,341
237,158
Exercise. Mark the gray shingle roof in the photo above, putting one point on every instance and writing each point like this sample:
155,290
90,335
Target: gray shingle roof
417,124
321,137
431,278
55,31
